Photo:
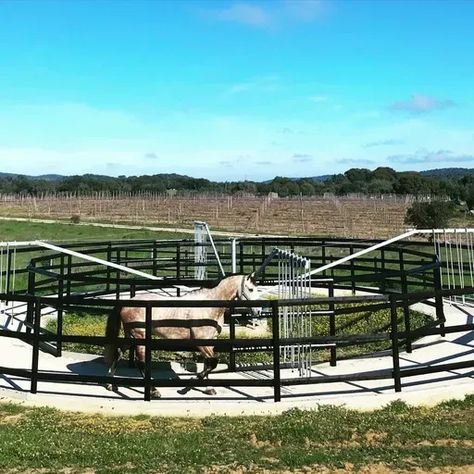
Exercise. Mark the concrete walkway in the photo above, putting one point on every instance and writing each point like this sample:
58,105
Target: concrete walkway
427,389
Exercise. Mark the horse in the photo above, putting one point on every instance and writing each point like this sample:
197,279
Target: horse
185,323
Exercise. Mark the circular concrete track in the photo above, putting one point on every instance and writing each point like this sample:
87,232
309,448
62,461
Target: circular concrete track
425,389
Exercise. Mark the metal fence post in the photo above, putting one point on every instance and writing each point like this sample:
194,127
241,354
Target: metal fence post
406,308
276,352
353,283
332,323
439,296
232,338
148,331
35,346
31,291
117,276
155,259
178,261
59,328
395,349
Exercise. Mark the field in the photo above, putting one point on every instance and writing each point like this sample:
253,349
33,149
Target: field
395,439
342,217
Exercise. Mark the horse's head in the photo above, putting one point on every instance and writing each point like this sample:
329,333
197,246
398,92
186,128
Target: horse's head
248,290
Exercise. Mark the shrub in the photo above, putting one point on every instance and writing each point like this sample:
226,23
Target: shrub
429,215
75,219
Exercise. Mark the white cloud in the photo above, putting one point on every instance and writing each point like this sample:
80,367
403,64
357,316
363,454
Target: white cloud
420,103
246,14
431,157
258,84
318,99
272,15
387,142
302,157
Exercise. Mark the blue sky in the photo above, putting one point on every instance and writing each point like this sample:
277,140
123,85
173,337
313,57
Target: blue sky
232,90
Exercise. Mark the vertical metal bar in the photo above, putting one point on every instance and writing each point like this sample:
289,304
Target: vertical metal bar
9,269
234,256
186,263
406,309
69,275
148,331
439,297
332,323
178,261
241,251
117,276
35,346
276,352
353,285
59,328
155,258
232,339
395,349
382,263
109,259
31,291
323,255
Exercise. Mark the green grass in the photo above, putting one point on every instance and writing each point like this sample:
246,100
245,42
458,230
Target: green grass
13,230
397,436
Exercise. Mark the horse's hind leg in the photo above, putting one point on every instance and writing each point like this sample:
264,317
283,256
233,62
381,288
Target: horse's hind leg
210,363
140,361
112,369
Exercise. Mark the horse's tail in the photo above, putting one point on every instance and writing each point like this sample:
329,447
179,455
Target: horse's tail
112,330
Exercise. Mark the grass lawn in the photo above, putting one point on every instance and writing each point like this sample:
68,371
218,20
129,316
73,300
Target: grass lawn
397,436
15,230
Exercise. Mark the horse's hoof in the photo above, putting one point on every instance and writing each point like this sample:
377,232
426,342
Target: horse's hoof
111,388
210,391
155,394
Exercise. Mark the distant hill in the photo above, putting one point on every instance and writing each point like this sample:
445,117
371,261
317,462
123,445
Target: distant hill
447,172
46,177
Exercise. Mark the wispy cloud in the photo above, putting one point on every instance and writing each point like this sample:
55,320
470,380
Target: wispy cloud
226,163
257,84
420,103
151,156
271,15
302,157
318,99
388,142
264,163
245,13
289,131
427,157
354,162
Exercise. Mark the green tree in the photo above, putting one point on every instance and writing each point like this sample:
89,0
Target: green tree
429,215
470,197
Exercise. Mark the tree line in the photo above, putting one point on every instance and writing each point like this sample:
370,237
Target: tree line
382,180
